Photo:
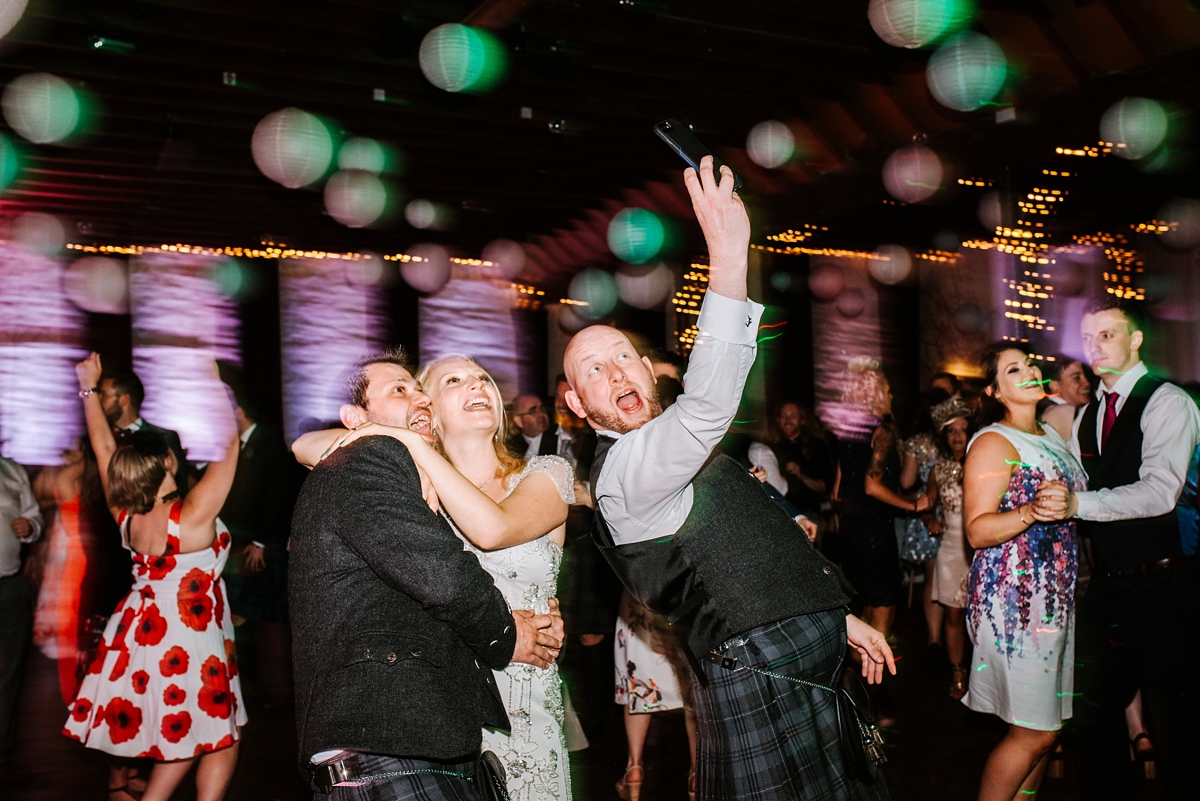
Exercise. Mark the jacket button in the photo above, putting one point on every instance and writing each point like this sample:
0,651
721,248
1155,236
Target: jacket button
826,570
367,653
417,652
390,658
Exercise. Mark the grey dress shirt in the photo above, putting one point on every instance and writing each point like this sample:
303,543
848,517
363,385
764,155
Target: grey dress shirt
16,500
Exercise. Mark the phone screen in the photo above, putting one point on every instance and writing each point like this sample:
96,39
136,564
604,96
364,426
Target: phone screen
690,149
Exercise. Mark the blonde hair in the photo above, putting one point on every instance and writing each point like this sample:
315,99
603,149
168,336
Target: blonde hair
866,385
510,463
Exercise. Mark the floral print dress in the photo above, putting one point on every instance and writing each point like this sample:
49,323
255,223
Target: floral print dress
1021,598
164,684
917,545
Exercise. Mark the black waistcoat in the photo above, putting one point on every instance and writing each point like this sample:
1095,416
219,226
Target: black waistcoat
737,562
1124,543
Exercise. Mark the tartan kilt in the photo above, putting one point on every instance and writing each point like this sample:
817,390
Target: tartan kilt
764,738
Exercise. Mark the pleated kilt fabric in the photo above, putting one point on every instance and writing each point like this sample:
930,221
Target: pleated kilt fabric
769,739
435,783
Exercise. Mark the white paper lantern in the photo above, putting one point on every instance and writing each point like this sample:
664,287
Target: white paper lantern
826,281
912,174
507,257
1182,214
10,14
98,284
292,147
355,198
852,303
42,107
459,58
893,266
966,72
909,23
644,286
770,144
39,233
360,153
595,288
428,269
1136,126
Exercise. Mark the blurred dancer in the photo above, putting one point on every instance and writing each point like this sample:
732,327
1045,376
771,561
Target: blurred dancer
20,523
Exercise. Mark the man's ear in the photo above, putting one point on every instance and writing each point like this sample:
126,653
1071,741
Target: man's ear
650,367
573,403
1135,341
352,416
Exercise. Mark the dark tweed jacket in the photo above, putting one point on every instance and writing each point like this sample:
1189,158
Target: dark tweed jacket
395,627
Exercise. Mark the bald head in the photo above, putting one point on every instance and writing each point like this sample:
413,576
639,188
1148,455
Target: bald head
610,385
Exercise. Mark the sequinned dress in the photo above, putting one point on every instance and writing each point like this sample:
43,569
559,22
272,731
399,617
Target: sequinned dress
1021,598
164,684
918,545
534,753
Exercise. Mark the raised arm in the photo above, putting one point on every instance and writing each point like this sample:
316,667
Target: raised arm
204,502
104,444
310,448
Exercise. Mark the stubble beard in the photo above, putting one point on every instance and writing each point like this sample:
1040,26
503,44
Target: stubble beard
614,422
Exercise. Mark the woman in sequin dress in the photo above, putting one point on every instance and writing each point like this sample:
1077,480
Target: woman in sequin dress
1021,590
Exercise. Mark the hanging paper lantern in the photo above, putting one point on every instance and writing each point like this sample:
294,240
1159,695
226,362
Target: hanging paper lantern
644,286
507,257
98,284
1182,216
425,214
369,269
912,174
292,147
893,265
636,235
235,280
360,153
355,198
916,23
459,58
966,72
39,233
826,281
571,321
428,268
10,14
595,288
770,144
1136,126
852,303
42,107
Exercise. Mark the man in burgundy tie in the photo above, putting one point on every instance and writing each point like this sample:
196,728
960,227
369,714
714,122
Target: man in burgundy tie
1139,623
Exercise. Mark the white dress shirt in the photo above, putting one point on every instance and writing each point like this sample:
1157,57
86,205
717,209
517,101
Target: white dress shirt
16,500
1170,433
645,489
761,455
532,444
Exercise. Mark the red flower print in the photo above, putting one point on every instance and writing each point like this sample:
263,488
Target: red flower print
160,566
231,658
175,510
82,707
174,662
224,742
118,640
119,668
152,753
123,719
176,727
195,604
172,545
219,608
140,679
72,735
214,697
98,663
174,695
147,593
151,627
98,718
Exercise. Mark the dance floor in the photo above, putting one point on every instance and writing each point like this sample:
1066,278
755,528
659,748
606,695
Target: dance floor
936,751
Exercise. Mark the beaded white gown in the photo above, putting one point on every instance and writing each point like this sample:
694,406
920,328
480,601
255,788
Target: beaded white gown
534,753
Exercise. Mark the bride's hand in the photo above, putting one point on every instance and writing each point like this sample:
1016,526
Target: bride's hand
428,492
411,439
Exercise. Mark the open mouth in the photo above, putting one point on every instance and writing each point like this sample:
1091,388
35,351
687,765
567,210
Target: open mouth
420,423
475,404
629,401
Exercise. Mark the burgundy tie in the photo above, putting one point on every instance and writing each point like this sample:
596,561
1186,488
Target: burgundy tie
1110,416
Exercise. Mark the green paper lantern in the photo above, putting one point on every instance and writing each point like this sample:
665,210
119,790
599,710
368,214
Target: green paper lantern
917,23
459,58
636,235
1136,126
966,72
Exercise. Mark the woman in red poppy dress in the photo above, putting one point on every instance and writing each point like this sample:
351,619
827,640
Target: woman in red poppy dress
164,682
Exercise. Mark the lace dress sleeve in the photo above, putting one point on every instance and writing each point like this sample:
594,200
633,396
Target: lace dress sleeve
559,470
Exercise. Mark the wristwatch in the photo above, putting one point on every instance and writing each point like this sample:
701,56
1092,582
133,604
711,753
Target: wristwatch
83,393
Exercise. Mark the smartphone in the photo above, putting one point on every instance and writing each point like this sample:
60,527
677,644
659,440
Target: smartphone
684,142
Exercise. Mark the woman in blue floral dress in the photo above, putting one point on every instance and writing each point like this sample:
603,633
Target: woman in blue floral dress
1021,590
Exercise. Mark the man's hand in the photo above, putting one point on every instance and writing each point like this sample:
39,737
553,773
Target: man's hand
22,527
1054,501
808,527
253,560
792,468
536,644
872,647
591,639
726,227
88,371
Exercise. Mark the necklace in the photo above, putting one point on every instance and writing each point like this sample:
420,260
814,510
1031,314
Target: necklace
484,484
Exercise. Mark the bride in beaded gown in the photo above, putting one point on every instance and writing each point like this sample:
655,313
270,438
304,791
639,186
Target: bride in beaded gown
511,514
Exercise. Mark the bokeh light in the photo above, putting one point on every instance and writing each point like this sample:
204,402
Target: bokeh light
770,144
597,289
428,269
459,58
292,147
10,162
644,286
893,265
98,284
916,23
969,319
360,153
39,233
912,174
1182,215
369,269
10,14
966,72
636,235
355,198
991,210
571,321
781,281
425,214
947,240
235,280
852,303
507,257
42,107
826,281
1136,126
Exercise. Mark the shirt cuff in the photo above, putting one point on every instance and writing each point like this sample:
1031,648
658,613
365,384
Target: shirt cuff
257,544
1087,505
729,320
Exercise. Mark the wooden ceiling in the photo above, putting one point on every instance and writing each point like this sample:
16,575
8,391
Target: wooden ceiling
565,141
